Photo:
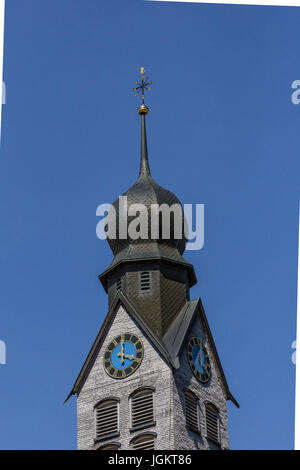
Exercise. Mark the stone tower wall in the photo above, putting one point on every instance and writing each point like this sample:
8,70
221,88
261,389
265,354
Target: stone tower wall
153,371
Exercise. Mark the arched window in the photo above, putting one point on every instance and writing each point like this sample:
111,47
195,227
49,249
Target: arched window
110,446
144,442
145,281
142,407
212,422
107,418
191,410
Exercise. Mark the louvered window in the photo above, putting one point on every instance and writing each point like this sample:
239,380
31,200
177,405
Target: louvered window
119,284
110,447
145,281
107,419
191,410
145,442
142,409
212,422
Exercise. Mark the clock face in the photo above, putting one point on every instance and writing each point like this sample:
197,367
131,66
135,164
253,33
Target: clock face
199,360
123,356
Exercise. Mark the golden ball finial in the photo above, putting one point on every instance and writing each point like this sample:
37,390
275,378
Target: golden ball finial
143,109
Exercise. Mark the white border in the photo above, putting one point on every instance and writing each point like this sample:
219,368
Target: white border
297,403
2,86
287,3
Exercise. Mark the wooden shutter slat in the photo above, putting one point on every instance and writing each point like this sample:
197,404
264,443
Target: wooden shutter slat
144,444
212,423
142,411
106,418
191,411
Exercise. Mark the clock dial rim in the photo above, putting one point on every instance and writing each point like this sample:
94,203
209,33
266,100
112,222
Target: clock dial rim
205,377
110,369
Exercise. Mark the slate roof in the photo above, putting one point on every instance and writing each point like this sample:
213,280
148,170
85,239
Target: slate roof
147,191
145,252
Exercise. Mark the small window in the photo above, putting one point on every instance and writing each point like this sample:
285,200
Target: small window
144,442
119,284
107,418
212,422
145,281
191,410
142,409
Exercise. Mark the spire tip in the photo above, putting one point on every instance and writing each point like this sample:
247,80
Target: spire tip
143,85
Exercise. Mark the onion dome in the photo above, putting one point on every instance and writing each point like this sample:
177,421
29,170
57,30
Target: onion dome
147,192
155,214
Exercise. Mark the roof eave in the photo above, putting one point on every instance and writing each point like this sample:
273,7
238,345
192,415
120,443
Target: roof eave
103,277
228,393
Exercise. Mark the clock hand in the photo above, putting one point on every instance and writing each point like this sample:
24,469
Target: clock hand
129,357
201,360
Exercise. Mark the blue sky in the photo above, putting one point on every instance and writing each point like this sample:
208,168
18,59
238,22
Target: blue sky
222,131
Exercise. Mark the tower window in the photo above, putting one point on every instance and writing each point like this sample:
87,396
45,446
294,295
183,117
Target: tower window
145,281
144,442
119,284
107,418
110,446
191,410
142,408
212,422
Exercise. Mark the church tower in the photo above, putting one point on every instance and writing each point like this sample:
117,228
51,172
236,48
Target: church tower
153,378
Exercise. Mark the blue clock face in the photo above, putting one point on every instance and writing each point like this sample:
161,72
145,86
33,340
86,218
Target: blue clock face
123,356
199,360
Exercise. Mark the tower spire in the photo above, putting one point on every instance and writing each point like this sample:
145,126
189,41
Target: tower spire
143,110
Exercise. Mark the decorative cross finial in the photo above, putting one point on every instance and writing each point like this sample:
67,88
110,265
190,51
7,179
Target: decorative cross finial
142,85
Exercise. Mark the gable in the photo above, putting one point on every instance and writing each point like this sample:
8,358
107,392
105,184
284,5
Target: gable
177,335
216,383
97,380
154,372
110,319
169,347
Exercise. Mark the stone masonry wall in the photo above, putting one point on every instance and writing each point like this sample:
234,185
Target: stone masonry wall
172,433
213,392
153,371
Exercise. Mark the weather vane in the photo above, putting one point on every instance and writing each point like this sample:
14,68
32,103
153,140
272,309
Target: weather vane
142,85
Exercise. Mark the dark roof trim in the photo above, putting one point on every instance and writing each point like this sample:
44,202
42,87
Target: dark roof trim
189,267
120,298
170,346
175,337
176,334
204,319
